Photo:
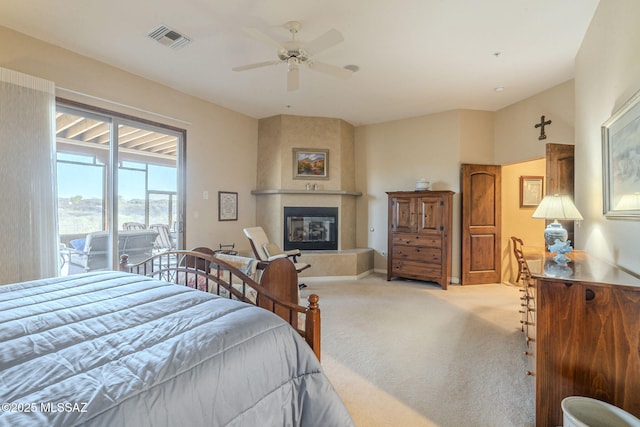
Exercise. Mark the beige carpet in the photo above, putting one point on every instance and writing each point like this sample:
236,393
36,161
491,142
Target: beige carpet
406,353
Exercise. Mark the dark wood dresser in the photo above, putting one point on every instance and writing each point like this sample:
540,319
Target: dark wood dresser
419,241
587,334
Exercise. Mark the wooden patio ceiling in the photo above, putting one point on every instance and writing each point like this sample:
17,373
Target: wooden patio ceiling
90,133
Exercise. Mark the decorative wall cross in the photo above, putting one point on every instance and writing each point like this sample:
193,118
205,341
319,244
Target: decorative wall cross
541,125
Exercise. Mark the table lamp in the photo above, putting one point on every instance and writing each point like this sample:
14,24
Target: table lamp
556,207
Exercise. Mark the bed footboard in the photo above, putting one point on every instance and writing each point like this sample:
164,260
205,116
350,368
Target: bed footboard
277,290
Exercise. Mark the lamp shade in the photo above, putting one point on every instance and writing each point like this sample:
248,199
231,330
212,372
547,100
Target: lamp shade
557,207
629,202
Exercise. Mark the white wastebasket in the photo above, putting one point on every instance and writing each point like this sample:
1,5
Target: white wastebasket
581,411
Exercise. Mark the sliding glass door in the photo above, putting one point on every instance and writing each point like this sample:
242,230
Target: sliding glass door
119,188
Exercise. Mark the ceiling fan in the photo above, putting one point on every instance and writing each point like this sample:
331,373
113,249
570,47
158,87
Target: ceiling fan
295,53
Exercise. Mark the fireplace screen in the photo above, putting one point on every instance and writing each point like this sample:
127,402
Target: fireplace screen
312,228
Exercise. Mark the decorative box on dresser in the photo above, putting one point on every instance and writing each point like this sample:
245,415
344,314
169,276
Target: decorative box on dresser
587,334
419,242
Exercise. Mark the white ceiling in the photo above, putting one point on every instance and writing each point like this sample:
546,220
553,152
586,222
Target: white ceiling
416,57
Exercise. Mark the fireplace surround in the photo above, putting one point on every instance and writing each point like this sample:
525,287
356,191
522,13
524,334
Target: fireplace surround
277,187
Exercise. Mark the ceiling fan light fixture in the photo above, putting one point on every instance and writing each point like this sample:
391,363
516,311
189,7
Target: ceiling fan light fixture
293,63
293,78
295,53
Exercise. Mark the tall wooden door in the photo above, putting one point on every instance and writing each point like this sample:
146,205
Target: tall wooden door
560,176
481,224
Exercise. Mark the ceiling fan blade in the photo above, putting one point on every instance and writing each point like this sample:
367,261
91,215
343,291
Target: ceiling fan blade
260,36
325,41
333,70
256,65
293,79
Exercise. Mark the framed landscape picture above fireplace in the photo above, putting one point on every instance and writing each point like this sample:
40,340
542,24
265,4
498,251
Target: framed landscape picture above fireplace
310,163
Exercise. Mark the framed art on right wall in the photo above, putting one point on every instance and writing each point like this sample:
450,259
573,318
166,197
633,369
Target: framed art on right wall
621,162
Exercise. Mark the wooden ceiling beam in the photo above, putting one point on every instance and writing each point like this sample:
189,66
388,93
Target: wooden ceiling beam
66,121
169,141
152,141
79,129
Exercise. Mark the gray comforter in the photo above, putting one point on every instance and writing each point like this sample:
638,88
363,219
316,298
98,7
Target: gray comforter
114,349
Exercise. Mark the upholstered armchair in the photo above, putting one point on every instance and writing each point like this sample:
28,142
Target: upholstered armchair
266,251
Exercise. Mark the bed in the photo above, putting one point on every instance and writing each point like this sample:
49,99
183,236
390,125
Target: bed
116,348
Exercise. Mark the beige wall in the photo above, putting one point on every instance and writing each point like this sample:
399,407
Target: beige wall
607,74
517,221
221,144
476,137
279,135
516,138
392,156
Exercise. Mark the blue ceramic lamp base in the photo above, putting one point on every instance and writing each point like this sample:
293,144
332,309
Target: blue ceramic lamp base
554,231
556,237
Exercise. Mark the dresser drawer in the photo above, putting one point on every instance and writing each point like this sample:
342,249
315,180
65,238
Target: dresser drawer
416,270
417,253
413,239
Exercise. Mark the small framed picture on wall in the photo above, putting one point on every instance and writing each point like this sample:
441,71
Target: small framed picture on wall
227,206
531,191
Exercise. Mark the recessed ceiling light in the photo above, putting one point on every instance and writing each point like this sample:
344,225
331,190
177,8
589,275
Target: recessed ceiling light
499,89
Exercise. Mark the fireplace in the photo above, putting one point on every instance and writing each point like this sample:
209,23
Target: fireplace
310,228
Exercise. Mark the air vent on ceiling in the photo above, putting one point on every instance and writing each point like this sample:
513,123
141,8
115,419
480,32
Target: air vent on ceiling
168,37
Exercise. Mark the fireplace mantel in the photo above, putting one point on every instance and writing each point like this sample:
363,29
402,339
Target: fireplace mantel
309,192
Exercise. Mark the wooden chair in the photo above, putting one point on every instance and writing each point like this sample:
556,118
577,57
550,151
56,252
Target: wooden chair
524,273
528,298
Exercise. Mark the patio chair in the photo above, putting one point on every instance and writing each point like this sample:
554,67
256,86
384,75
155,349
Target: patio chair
133,226
164,242
94,255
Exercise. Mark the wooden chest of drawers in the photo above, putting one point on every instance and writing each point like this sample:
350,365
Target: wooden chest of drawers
587,335
419,244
